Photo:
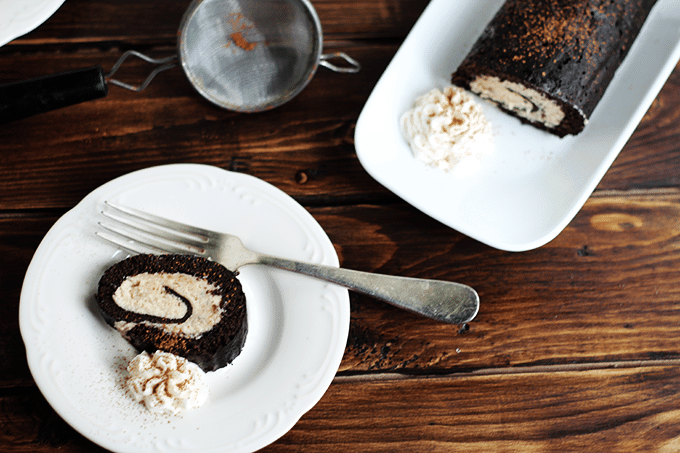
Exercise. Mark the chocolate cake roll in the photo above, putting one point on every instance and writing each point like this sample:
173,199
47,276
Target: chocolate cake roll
182,304
549,62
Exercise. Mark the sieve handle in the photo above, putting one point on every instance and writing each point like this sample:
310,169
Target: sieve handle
352,66
42,94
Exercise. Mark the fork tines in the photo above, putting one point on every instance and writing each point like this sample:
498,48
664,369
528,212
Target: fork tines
141,232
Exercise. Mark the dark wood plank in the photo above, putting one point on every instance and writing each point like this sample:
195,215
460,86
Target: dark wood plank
605,289
548,410
613,410
142,22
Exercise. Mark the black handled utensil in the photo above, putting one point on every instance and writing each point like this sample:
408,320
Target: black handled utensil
245,56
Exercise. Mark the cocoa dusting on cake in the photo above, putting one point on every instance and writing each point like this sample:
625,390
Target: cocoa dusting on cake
185,305
549,62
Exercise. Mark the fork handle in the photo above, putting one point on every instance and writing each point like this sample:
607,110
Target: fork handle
449,302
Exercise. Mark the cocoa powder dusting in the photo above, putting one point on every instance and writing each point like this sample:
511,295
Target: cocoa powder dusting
240,41
239,24
567,50
539,27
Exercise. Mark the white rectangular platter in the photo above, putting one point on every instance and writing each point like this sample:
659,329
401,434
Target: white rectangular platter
534,183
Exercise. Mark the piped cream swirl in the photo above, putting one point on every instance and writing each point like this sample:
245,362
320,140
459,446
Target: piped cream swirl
166,383
447,129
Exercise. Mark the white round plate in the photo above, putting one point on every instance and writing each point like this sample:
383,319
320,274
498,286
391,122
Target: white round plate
19,17
298,326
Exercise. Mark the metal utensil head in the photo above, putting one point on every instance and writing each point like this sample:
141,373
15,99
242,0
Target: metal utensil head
250,55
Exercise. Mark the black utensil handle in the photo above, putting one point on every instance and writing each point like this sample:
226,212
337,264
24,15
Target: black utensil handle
30,97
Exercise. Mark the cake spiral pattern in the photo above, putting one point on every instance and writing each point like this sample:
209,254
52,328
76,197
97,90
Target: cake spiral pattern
549,62
185,305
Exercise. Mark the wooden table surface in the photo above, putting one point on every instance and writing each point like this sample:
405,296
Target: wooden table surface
575,346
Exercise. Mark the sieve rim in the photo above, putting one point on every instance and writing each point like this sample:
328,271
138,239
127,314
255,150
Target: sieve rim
287,95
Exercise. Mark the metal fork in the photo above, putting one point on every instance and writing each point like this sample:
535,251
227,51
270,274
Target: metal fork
141,232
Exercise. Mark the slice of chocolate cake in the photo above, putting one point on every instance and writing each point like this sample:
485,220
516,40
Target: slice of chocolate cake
549,62
185,305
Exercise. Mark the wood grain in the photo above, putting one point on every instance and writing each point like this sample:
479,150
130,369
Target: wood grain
553,411
608,281
142,22
549,410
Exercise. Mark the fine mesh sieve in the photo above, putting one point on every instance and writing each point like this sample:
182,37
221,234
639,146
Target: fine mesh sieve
242,55
250,55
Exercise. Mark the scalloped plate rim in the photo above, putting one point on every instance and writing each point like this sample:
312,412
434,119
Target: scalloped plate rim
331,301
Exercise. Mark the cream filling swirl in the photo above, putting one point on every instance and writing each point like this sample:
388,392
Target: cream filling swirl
176,302
523,101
